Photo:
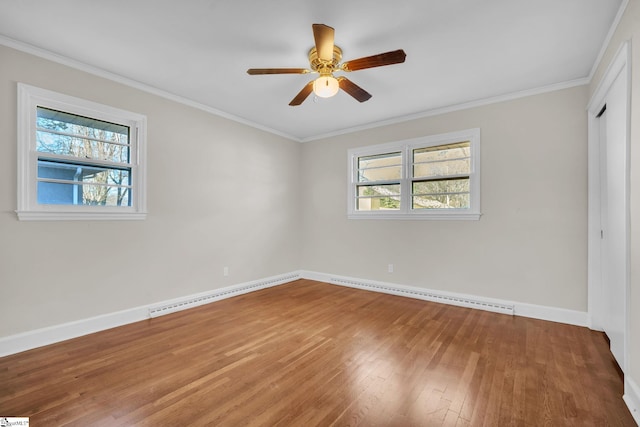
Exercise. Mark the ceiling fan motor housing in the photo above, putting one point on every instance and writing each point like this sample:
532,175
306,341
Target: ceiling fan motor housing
325,67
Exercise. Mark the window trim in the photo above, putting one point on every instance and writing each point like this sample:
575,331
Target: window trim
405,147
31,97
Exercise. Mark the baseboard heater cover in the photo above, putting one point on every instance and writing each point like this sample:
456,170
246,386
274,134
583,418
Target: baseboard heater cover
428,295
201,299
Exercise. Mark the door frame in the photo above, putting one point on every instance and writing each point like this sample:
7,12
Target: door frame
621,62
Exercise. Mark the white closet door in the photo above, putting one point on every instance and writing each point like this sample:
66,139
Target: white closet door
613,158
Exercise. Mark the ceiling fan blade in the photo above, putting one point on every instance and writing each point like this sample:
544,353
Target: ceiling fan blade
353,89
257,71
324,36
387,58
302,95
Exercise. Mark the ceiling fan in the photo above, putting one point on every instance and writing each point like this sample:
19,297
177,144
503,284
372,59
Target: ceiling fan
324,59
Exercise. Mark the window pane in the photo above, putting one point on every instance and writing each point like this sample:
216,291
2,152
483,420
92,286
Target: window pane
379,160
378,203
442,160
379,190
71,135
442,152
444,168
441,194
53,193
72,186
377,197
81,148
380,174
447,201
381,167
442,186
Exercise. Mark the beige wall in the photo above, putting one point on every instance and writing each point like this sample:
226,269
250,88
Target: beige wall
530,244
629,29
198,165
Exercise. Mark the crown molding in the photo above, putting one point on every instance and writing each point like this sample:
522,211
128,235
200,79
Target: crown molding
81,66
45,54
455,107
607,39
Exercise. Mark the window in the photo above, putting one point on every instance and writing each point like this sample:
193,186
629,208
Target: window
78,159
435,177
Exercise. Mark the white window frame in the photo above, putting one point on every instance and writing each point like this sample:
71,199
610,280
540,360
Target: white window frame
406,147
29,99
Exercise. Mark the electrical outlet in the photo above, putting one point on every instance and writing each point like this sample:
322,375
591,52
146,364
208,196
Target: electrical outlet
225,271
390,268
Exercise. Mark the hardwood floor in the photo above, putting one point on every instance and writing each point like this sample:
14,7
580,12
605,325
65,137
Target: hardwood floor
308,353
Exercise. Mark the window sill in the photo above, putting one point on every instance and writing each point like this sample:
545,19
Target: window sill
80,216
434,216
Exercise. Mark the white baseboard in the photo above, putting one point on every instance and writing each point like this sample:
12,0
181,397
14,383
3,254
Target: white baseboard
191,301
553,314
49,335
632,397
53,334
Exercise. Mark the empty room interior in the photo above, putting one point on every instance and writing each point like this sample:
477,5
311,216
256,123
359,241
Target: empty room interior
426,213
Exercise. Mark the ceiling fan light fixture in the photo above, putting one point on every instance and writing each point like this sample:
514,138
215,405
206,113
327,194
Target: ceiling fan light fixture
324,59
326,86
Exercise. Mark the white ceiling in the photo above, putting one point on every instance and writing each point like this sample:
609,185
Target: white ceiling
458,51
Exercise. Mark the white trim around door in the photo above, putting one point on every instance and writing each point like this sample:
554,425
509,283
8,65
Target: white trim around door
601,101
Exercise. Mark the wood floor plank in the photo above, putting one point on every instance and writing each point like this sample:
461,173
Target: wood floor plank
313,354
